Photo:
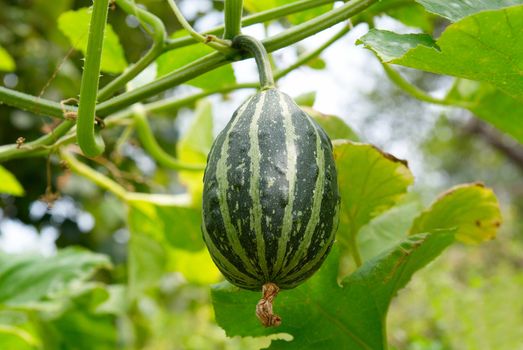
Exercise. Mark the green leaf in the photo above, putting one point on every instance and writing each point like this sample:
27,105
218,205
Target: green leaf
407,12
75,25
412,15
9,184
194,147
146,262
175,222
7,63
320,314
82,326
166,237
464,49
27,279
174,59
370,182
12,337
491,105
472,209
317,63
387,230
390,46
197,267
457,9
306,99
334,126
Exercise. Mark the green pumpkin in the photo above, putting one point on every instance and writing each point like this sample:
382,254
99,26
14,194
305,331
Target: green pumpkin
270,201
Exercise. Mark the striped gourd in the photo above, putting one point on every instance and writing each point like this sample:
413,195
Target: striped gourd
270,194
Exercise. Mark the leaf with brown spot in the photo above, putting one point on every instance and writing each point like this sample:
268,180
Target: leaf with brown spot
472,209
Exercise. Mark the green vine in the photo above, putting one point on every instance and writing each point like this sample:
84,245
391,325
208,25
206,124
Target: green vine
233,18
421,95
146,136
91,144
156,29
116,106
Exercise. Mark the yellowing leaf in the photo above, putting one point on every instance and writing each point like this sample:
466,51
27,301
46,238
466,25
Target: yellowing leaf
9,184
7,64
196,267
370,182
75,25
471,209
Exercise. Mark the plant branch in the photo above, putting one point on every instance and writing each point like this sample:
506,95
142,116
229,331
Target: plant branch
36,105
8,152
233,18
212,41
87,140
146,136
158,35
274,13
215,60
86,171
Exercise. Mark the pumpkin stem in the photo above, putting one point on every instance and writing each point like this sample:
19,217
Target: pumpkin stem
264,306
255,48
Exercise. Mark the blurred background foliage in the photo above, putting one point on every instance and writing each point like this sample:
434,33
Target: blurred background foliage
470,298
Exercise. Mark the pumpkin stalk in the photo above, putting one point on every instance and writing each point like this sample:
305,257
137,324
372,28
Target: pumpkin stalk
255,48
264,307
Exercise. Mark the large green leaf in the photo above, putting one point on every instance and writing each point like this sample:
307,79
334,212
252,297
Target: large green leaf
31,278
166,237
9,184
75,25
465,49
321,314
194,147
491,105
370,182
472,209
457,9
174,59
82,326
7,63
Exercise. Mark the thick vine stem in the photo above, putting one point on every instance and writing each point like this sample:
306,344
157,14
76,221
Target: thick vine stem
155,28
91,144
233,18
264,307
255,48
